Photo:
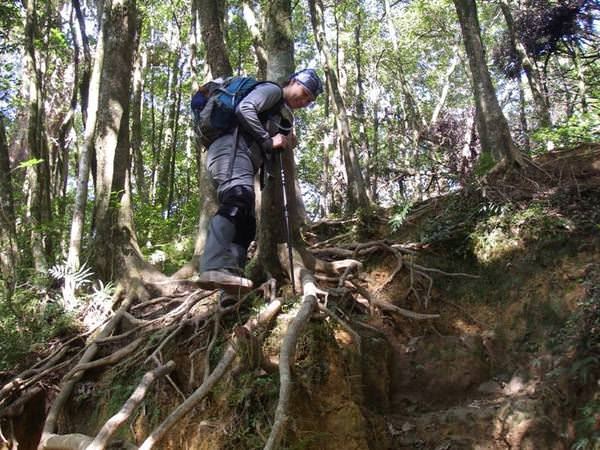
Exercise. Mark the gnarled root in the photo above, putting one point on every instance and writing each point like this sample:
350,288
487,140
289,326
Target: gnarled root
286,356
226,360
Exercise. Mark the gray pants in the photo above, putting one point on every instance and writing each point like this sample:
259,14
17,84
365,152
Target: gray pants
235,217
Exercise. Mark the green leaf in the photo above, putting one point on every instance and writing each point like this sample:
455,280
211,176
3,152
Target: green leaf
29,163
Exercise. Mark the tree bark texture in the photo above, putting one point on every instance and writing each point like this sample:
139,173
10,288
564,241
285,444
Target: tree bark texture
81,193
38,175
139,65
255,23
492,126
165,173
357,192
271,227
8,235
112,239
86,71
212,14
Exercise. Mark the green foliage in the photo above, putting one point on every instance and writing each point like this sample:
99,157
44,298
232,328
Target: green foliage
253,399
484,164
510,228
168,241
29,163
588,434
399,214
29,320
578,129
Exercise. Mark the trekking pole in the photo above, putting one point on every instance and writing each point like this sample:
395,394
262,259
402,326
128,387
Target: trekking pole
286,220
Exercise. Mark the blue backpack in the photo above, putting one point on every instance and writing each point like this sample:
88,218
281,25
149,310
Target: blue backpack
213,106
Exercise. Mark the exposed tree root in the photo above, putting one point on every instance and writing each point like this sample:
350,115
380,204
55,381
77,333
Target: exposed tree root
221,368
111,426
152,317
286,357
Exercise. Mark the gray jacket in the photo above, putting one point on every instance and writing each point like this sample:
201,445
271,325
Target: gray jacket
260,129
254,142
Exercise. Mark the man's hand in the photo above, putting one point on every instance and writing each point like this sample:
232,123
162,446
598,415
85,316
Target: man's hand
283,142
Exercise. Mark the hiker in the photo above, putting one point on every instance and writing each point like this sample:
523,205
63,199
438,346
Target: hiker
265,121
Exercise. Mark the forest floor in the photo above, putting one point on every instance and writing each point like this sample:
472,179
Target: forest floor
474,325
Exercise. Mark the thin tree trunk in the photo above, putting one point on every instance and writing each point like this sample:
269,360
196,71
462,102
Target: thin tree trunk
541,103
174,142
81,193
39,175
9,255
446,88
136,119
165,174
360,101
86,75
523,115
357,193
253,18
494,134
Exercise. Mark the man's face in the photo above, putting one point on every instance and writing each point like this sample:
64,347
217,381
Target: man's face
299,97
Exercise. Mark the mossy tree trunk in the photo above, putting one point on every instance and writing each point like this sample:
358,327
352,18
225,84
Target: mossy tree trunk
38,175
9,254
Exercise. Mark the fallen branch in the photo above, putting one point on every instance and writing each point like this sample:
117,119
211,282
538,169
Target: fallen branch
111,426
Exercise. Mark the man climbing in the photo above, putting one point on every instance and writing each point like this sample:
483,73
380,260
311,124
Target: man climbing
265,125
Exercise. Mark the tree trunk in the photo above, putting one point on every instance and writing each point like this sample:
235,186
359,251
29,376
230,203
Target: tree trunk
114,236
174,142
165,174
357,193
252,16
9,254
39,175
360,100
541,103
136,119
271,228
446,88
86,74
494,134
81,193
212,14
219,67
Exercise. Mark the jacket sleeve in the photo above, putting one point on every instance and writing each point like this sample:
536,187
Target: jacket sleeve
262,98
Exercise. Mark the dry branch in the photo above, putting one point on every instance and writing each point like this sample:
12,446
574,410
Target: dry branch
286,356
111,426
197,396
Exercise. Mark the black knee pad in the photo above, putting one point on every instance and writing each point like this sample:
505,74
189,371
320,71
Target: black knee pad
237,205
